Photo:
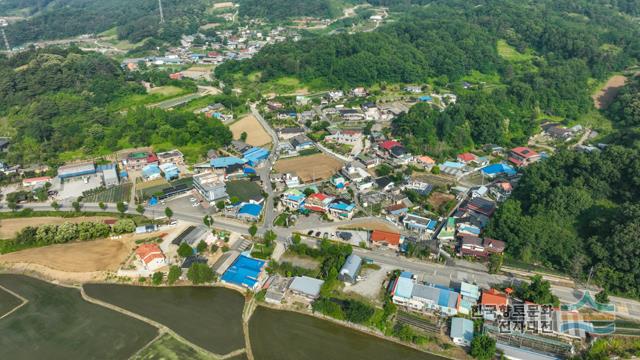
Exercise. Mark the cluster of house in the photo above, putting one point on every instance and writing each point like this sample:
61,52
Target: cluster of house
335,207
241,44
541,324
210,182
216,111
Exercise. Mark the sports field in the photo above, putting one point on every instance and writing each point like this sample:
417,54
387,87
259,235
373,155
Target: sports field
310,168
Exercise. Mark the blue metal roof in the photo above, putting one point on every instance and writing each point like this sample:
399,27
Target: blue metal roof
226,161
342,206
432,225
149,170
244,271
251,209
495,169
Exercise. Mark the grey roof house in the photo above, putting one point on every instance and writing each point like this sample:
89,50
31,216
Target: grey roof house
350,269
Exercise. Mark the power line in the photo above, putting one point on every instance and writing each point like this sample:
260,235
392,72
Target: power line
3,24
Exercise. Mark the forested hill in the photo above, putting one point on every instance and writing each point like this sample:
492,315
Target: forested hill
56,101
578,211
136,20
284,9
455,37
562,48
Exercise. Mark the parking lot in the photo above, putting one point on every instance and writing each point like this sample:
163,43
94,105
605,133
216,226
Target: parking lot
352,237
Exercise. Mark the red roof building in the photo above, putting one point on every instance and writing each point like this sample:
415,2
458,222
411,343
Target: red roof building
318,202
36,181
523,156
151,256
389,144
493,297
385,238
467,157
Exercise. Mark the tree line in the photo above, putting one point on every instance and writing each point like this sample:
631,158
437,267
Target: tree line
32,236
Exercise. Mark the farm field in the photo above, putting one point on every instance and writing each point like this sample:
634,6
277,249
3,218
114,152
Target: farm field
244,190
86,256
114,194
168,347
256,134
10,227
192,312
603,97
57,323
310,168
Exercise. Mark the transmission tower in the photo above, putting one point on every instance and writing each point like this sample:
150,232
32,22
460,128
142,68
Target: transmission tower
3,24
161,13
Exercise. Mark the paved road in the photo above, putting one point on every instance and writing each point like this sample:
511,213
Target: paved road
265,171
430,272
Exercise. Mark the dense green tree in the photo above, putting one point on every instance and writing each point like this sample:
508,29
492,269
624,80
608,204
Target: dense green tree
157,278
200,273
174,274
483,347
168,213
140,209
253,229
184,250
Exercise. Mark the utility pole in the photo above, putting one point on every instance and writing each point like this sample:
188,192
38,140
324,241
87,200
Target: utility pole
3,24
161,13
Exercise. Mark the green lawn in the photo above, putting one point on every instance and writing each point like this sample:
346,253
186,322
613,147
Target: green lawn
509,53
154,96
243,190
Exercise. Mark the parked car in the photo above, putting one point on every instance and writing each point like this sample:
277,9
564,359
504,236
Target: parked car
310,232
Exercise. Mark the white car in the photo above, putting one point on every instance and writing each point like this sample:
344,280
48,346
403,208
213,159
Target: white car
193,199
195,204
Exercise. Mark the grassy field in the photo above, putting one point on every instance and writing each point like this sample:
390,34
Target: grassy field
243,190
169,348
155,95
114,194
167,91
509,53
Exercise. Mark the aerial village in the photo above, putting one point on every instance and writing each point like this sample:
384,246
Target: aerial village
308,175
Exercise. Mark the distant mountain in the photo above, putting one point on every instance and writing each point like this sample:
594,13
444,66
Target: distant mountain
136,20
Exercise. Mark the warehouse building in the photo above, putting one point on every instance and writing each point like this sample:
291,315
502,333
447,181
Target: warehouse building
76,170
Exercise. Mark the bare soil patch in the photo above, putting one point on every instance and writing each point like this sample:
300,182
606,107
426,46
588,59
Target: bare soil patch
301,261
310,168
256,134
86,256
603,98
437,199
10,227
381,225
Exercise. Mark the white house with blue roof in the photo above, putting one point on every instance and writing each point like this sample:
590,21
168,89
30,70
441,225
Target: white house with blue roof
420,297
341,210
